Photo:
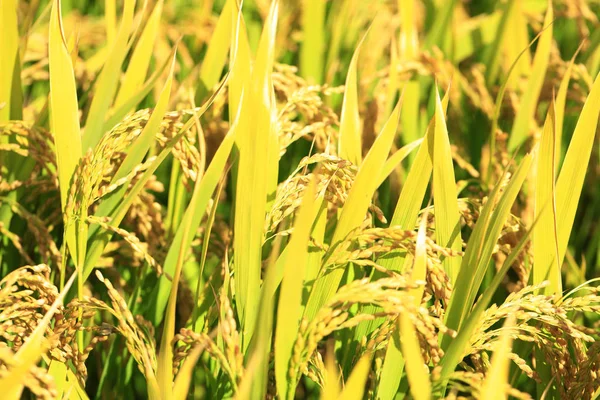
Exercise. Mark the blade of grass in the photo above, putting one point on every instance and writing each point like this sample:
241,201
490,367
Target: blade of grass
216,52
527,108
350,139
447,216
459,345
393,362
64,120
256,169
117,114
138,150
203,190
289,310
418,379
184,377
545,239
574,168
260,345
311,51
10,61
355,387
331,388
480,247
439,28
407,209
492,61
561,101
395,159
496,379
500,99
106,85
355,208
140,58
110,18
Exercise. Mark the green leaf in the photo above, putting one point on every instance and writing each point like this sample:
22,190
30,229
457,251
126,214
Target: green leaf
203,190
216,52
114,205
350,139
355,386
574,168
560,105
528,105
106,85
140,58
416,369
355,208
64,117
10,79
257,169
479,250
459,345
289,310
393,363
545,239
447,216
496,379
311,52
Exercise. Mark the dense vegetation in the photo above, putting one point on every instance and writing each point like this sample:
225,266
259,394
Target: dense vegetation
299,199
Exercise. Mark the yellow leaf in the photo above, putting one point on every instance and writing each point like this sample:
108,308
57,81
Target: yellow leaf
545,245
447,216
416,370
140,59
496,379
355,387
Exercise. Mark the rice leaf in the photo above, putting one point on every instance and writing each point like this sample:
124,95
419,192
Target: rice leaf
496,379
64,116
203,190
459,345
492,60
110,18
289,310
560,104
480,246
407,208
393,362
257,168
311,52
355,386
218,47
10,62
116,114
572,173
140,58
184,377
350,139
545,239
528,106
447,217
355,208
395,159
439,28
110,205
331,388
418,378
106,85
261,344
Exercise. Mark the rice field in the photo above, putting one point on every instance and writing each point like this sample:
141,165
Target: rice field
299,199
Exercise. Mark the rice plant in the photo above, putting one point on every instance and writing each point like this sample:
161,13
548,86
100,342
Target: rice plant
299,199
